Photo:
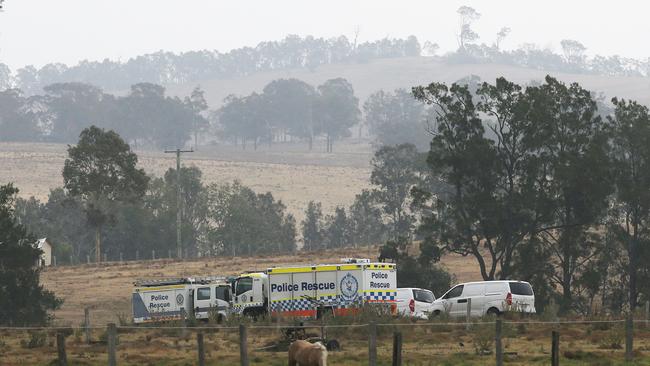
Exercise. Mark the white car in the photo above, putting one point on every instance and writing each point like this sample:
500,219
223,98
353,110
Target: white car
487,298
415,302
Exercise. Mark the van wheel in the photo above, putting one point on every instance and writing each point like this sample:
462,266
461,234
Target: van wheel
436,313
493,312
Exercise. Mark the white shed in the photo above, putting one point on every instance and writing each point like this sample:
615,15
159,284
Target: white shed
46,256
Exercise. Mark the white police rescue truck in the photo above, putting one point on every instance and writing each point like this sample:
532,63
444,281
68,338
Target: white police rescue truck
310,291
178,298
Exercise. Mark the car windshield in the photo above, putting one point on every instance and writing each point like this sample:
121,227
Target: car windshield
521,288
423,296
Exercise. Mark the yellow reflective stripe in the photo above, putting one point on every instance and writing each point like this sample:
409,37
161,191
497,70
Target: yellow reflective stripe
284,299
252,275
290,270
325,268
158,288
348,267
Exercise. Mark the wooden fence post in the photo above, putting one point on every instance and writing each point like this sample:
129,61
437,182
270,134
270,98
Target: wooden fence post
87,324
87,259
243,345
199,341
112,344
647,313
372,344
60,347
53,261
153,254
469,314
555,348
497,341
629,338
397,349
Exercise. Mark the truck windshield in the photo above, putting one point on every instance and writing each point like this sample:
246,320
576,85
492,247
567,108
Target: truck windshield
243,285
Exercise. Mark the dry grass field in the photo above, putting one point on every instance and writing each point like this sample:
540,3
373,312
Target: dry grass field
291,173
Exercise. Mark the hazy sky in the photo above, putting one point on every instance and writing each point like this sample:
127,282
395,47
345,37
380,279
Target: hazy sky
42,31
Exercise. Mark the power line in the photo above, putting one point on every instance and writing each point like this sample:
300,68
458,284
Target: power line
178,152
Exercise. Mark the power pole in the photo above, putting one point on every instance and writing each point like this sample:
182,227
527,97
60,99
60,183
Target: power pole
179,247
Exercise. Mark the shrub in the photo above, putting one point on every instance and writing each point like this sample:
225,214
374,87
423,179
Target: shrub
37,339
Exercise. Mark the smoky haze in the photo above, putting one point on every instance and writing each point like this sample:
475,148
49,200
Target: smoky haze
38,32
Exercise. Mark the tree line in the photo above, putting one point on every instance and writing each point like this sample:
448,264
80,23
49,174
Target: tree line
144,116
290,107
168,68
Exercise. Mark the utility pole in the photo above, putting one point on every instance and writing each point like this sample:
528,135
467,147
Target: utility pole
179,248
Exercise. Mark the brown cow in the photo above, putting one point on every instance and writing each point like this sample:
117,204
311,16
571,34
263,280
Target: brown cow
303,353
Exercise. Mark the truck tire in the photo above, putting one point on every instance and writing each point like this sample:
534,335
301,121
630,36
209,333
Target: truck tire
493,312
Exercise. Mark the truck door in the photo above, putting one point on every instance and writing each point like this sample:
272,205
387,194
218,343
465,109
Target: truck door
244,291
202,301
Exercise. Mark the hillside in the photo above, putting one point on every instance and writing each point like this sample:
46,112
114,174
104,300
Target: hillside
107,288
389,74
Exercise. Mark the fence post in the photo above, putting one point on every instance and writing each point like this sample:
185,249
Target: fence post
629,337
555,348
87,324
112,343
169,254
53,261
372,344
60,347
647,313
153,254
243,345
199,341
497,341
469,314
397,349
87,259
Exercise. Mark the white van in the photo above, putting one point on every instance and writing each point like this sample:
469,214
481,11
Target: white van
414,302
488,298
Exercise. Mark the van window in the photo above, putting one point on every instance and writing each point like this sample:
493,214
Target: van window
244,284
203,293
454,292
474,289
222,293
423,296
495,287
521,288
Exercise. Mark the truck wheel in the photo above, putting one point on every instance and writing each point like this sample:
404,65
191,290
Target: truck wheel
493,312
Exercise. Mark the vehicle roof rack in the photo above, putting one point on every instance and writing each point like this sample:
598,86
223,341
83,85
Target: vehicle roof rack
178,281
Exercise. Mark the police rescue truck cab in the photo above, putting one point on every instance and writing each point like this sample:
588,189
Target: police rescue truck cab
178,298
309,291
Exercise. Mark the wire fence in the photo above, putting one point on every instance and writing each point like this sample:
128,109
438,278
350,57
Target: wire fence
384,341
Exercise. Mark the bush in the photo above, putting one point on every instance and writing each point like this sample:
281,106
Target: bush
37,339
483,338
